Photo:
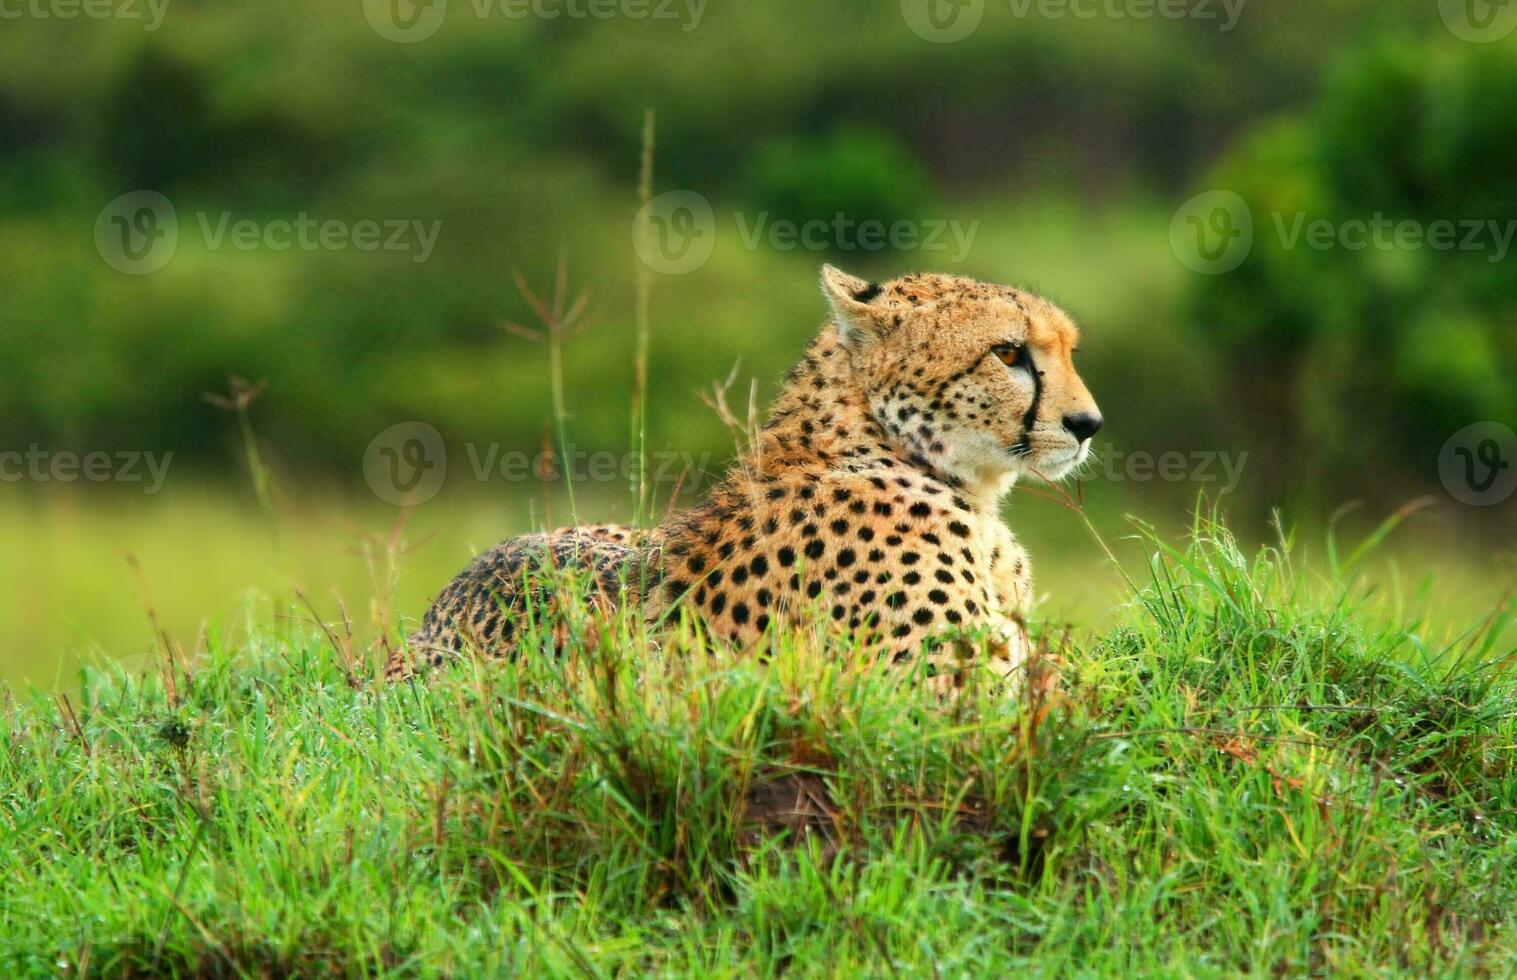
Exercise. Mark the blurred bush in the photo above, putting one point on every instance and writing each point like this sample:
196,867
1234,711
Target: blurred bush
862,173
1351,367
1063,137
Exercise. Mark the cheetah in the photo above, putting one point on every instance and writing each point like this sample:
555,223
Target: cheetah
869,501
481,607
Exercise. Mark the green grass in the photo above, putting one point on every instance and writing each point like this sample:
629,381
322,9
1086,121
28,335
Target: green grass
204,555
1259,767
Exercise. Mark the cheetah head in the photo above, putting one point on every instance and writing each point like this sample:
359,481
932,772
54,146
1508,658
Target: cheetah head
977,379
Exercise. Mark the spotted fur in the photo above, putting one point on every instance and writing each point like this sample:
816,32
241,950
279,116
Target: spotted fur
869,502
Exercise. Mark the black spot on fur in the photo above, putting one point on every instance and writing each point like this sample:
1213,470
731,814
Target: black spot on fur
869,293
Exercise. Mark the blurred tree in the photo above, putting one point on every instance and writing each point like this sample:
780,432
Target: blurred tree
1355,363
863,173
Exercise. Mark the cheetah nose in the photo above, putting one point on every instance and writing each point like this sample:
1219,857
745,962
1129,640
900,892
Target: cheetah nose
1083,425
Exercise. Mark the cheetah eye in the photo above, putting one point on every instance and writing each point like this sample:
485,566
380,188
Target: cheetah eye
1011,355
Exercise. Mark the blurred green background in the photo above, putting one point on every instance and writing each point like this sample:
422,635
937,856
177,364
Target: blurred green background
1062,148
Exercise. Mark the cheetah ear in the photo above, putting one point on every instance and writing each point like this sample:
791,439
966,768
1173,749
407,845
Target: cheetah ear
859,318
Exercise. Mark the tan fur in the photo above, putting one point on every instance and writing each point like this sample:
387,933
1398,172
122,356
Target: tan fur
870,500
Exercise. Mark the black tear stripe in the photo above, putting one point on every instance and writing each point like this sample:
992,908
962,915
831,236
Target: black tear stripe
1030,418
869,293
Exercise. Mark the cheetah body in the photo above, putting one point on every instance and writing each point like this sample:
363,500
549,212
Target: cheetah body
871,499
485,606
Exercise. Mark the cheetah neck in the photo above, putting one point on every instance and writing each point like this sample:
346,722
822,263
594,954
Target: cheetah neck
822,422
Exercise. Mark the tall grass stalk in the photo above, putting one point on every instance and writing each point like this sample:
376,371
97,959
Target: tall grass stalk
239,400
561,415
644,328
560,320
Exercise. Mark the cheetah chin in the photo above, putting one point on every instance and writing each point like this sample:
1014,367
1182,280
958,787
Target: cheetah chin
1059,465
869,502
